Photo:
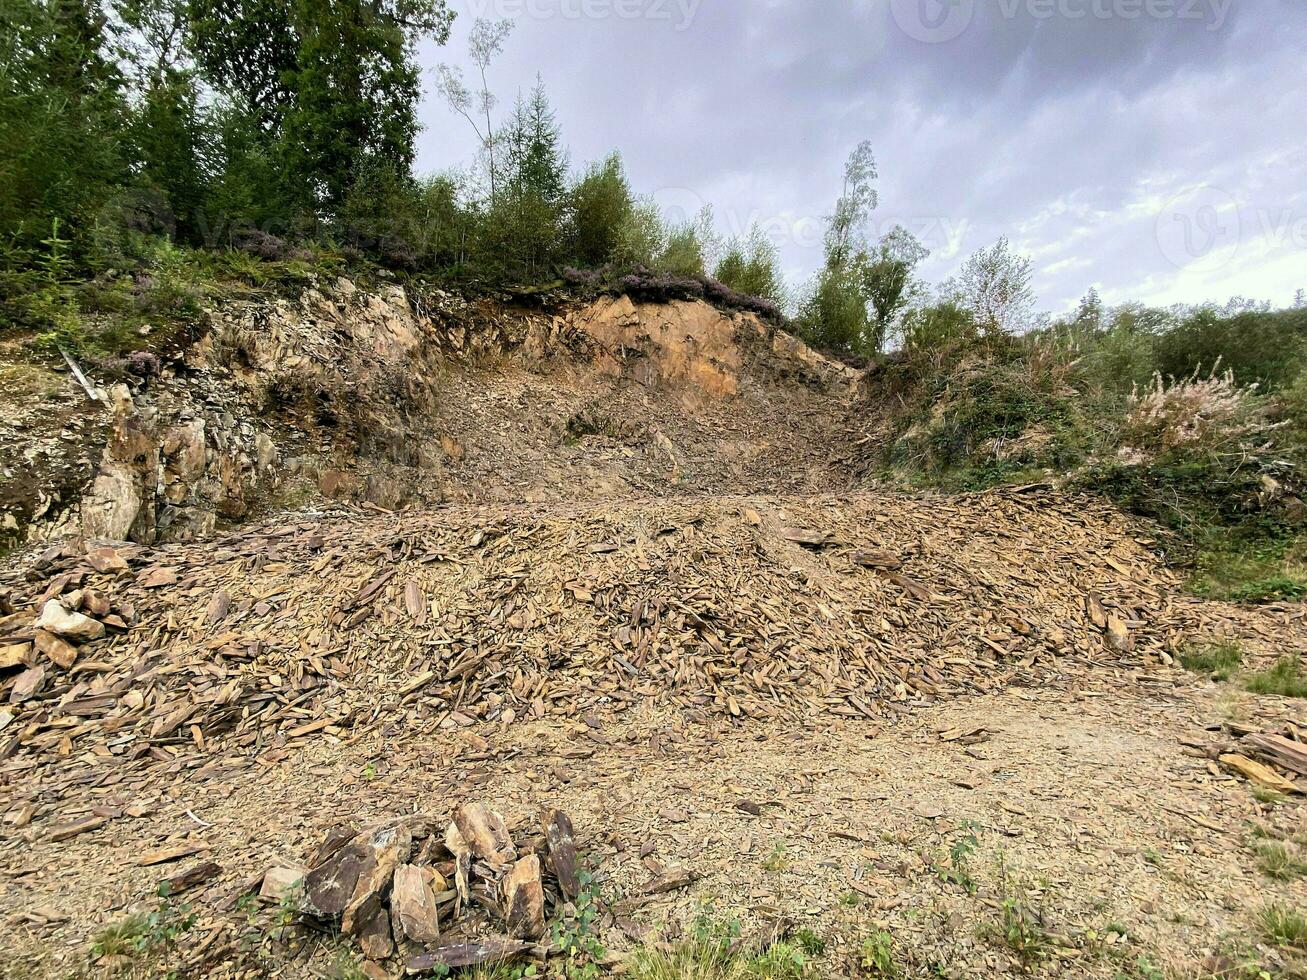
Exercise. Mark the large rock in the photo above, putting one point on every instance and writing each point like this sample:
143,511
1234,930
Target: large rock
68,625
485,834
524,900
354,881
413,904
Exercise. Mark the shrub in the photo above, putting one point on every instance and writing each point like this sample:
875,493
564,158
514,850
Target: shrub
1194,415
1266,348
833,316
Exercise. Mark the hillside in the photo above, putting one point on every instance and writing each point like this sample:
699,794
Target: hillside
358,556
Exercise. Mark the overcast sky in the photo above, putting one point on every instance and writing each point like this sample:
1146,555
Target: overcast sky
1155,149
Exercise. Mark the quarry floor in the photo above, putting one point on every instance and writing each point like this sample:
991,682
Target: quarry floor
1090,807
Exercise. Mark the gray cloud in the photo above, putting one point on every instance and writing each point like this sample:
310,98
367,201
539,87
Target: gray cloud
1150,147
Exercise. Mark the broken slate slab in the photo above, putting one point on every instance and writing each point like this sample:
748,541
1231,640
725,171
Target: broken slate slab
524,900
413,904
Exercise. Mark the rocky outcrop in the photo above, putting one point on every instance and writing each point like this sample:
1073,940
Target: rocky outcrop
369,395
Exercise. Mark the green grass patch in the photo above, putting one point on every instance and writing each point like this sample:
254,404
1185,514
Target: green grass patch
1286,679
1218,660
1278,860
713,951
1283,926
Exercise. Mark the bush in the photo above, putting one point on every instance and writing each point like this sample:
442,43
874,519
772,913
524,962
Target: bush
749,267
833,316
1192,416
600,207
1265,348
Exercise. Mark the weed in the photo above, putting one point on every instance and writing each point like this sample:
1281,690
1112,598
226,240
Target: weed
851,900
1264,794
575,935
957,871
809,942
1217,660
147,933
1022,931
778,859
1278,860
1286,679
877,955
1283,926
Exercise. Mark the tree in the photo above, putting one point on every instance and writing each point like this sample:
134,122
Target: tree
356,88
168,134
524,222
484,43
62,115
887,282
857,200
687,245
833,316
248,50
1090,313
995,286
750,266
600,207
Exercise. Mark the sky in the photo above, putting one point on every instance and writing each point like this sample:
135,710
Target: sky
1148,148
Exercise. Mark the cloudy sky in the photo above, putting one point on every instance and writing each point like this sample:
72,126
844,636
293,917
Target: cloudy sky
1156,149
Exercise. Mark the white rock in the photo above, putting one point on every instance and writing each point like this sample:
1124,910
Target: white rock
68,625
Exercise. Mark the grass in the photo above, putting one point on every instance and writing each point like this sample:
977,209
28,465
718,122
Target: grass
1278,860
713,951
1286,679
1218,660
1283,926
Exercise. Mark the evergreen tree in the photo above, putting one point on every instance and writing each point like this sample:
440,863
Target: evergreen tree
355,88
62,115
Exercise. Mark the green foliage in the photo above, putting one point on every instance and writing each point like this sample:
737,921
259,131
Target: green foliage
1260,347
876,955
958,871
1218,660
1285,679
575,937
833,315
713,951
63,112
600,206
147,934
750,266
1283,926
1279,860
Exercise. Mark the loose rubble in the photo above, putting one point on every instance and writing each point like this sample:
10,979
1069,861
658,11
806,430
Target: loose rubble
120,659
439,896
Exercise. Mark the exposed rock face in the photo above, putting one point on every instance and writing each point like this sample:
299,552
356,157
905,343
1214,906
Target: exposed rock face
342,393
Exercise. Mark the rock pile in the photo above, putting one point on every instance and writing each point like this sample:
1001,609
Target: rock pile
439,897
